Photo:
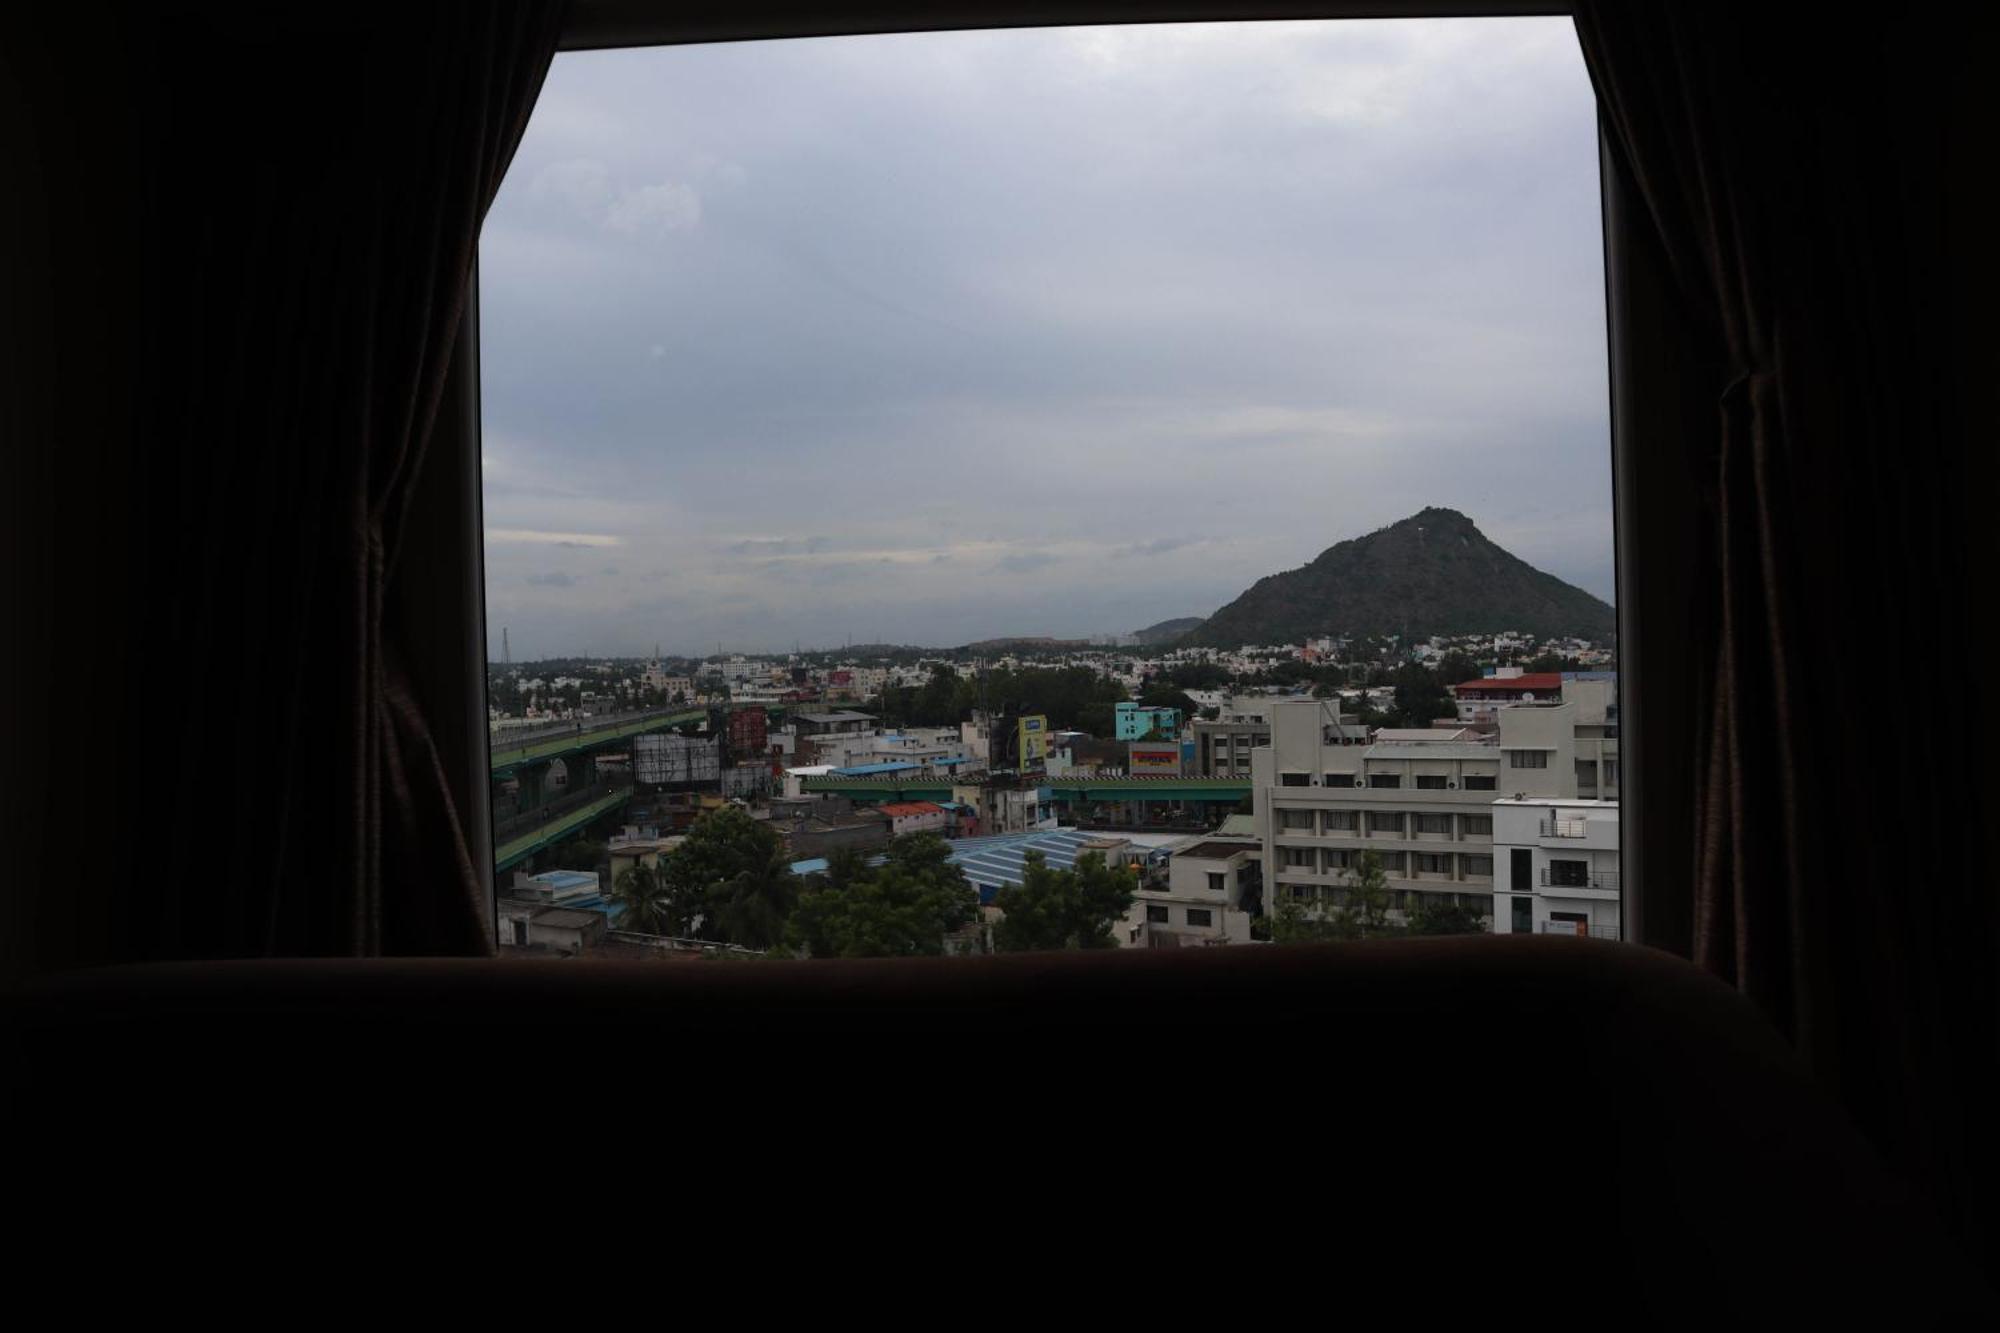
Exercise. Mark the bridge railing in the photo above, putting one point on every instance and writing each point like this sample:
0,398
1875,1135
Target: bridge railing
512,827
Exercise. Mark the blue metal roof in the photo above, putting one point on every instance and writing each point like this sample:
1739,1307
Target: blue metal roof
871,770
1002,858
564,879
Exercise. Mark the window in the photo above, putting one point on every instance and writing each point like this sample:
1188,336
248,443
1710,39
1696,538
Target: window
1569,874
1476,826
1156,913
1339,860
1527,759
1433,863
664,303
1218,882
1200,916
1297,857
1481,866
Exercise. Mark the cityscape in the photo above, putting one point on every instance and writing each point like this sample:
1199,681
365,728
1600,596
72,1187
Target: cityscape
911,531
1144,791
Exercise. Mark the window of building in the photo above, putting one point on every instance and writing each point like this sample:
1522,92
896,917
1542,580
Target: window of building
1217,882
1156,913
1479,865
1433,823
1294,780
1430,782
1200,916
1295,819
1297,857
1433,863
1339,860
1527,759
1569,874
1342,821
1481,782
1476,826
1390,780
1385,821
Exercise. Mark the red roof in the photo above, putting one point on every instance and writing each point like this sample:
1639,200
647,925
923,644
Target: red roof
898,809
1536,682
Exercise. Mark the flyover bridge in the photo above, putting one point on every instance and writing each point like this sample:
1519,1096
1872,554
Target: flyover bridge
519,838
1083,795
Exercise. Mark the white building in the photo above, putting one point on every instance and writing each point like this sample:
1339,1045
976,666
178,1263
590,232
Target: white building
1558,867
1423,802
1202,900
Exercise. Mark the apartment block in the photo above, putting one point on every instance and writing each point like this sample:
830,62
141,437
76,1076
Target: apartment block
1203,899
1558,864
1324,793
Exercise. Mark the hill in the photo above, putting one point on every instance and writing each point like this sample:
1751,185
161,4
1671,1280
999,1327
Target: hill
1168,630
1433,573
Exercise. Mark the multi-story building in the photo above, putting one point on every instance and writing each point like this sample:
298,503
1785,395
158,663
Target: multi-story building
1479,700
1136,722
1558,863
1205,898
1324,794
1223,745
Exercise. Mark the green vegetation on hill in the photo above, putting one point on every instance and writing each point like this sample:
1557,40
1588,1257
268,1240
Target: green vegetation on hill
1433,573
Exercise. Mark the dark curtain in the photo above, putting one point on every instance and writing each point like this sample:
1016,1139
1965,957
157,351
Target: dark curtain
250,233
1802,176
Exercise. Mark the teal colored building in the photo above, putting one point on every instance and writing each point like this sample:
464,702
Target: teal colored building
1135,721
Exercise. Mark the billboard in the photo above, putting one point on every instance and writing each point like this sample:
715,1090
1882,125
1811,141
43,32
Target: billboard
1034,746
1157,757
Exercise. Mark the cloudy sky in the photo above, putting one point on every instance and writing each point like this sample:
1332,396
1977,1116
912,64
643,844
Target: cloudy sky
938,337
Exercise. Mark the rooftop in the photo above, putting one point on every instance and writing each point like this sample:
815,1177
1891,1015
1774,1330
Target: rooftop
903,808
876,770
1216,851
1530,681
563,918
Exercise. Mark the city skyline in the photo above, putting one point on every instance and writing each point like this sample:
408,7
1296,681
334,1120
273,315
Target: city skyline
936,338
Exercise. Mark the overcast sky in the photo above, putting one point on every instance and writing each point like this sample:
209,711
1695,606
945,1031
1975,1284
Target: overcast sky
938,337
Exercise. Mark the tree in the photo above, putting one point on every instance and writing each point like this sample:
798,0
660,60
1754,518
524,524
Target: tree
1433,914
577,854
728,858
753,905
904,907
1064,909
1455,668
1419,697
642,891
1364,913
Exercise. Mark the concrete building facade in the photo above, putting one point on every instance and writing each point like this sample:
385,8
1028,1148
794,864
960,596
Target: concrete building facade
1558,867
1323,795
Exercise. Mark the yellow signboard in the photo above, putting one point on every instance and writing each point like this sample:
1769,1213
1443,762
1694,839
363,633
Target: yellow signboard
1034,748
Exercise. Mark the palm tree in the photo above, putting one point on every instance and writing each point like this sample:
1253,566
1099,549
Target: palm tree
756,903
642,891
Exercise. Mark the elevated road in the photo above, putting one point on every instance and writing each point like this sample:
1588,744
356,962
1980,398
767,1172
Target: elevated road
509,753
538,837
1076,789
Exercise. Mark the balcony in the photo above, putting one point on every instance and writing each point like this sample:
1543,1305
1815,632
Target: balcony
1564,828
1580,928
1596,879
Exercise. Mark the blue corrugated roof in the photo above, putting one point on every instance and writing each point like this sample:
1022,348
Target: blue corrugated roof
870,770
1002,858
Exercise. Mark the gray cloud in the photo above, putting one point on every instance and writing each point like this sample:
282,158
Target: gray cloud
834,333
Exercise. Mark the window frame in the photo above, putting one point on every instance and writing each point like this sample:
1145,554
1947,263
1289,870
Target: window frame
1654,387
